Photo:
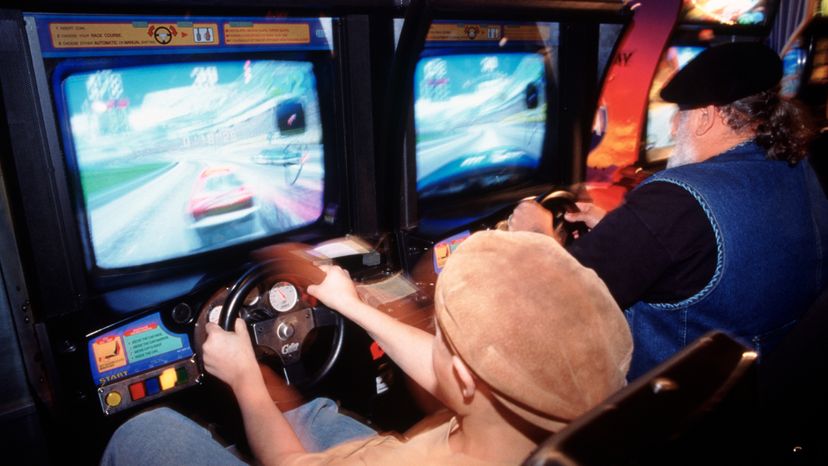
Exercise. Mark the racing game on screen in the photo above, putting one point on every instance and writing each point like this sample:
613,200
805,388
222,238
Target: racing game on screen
660,142
180,158
480,120
726,12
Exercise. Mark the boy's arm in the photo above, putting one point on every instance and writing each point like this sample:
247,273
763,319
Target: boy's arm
229,356
408,346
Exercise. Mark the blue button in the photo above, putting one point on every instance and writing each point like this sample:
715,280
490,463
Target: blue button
152,385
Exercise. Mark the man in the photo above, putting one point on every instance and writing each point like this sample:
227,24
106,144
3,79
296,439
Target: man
527,340
732,235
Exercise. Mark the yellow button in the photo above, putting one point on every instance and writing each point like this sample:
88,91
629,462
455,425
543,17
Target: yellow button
113,399
168,378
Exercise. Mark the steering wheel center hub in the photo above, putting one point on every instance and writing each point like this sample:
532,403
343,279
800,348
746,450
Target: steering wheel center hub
285,331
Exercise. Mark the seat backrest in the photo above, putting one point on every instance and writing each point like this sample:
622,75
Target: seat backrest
819,157
792,393
644,422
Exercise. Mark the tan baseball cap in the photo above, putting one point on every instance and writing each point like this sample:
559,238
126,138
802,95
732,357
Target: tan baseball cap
542,331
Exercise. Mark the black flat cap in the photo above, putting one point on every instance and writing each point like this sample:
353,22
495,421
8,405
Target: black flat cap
723,74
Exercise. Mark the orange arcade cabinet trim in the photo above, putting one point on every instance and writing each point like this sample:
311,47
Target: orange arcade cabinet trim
610,172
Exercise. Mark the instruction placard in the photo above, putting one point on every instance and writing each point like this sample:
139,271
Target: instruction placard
249,33
526,32
135,34
149,340
109,353
463,32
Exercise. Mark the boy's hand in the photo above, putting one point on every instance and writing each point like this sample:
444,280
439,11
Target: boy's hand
229,355
337,290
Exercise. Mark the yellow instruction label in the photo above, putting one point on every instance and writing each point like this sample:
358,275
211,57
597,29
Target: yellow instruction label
526,32
266,33
109,353
125,35
463,32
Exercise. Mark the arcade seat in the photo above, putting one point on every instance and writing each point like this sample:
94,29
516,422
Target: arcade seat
792,391
694,408
819,157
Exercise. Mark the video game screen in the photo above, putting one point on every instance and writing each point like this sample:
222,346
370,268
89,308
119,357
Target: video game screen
727,12
659,142
480,120
179,158
793,64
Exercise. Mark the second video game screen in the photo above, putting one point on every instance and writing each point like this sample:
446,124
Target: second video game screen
480,120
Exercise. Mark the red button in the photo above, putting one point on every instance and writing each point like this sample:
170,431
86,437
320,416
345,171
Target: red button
376,351
136,391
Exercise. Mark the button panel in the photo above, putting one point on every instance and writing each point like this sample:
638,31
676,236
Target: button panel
149,386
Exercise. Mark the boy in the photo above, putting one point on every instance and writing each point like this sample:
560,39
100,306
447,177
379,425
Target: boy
527,340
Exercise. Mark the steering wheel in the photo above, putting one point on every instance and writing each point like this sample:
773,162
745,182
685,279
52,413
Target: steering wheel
280,323
559,203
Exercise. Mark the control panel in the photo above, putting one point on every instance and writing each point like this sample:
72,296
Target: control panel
148,386
138,361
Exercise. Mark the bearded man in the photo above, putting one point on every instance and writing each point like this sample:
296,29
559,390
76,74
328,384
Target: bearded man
733,234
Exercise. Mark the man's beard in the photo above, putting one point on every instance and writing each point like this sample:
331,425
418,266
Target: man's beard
684,152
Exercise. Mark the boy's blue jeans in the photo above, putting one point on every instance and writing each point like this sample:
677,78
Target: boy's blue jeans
163,436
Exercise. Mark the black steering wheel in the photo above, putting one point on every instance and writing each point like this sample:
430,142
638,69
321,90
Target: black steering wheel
285,315
561,202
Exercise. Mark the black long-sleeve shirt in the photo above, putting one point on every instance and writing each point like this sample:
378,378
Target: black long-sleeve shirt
657,247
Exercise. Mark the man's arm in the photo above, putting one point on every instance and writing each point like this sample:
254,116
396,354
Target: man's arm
658,246
531,216
229,356
408,346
